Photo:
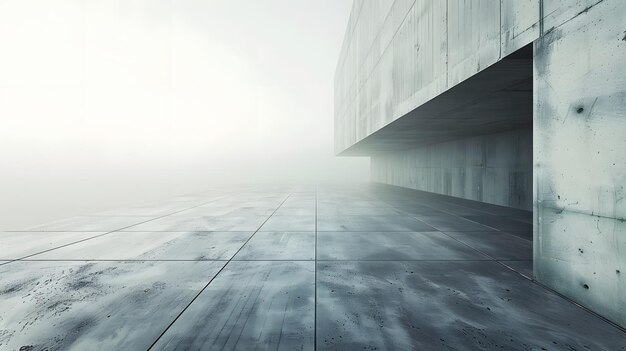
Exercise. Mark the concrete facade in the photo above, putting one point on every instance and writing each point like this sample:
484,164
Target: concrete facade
580,170
495,168
442,95
399,55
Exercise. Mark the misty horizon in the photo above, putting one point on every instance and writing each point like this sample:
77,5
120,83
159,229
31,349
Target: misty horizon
106,104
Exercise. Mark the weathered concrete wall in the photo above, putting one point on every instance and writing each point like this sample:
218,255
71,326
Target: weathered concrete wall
493,168
399,54
404,61
580,154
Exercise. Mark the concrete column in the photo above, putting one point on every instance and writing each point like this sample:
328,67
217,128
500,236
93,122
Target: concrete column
580,158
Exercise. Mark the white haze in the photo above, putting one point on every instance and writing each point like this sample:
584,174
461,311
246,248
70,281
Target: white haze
104,103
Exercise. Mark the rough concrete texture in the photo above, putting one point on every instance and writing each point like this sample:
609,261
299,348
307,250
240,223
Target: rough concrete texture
404,62
421,272
495,100
580,170
413,74
397,55
494,168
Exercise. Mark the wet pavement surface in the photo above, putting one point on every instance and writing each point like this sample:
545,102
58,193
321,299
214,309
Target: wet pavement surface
359,267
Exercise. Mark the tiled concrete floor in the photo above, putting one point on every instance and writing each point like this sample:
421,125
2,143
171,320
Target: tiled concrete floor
332,268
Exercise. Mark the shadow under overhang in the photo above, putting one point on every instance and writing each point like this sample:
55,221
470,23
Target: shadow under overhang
495,100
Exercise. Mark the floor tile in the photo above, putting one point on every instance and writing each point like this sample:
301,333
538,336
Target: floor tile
250,305
391,246
371,223
499,245
89,224
279,246
153,246
140,211
289,223
448,306
357,211
501,223
353,201
232,211
295,211
419,211
452,223
528,235
205,223
524,267
95,305
452,208
294,203
19,244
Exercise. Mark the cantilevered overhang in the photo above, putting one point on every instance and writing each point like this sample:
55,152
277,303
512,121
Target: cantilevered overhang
497,99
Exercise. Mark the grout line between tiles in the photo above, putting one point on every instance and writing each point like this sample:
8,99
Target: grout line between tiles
267,260
532,280
215,276
113,231
123,230
315,280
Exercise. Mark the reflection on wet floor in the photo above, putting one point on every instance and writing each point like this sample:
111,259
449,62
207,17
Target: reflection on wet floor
334,268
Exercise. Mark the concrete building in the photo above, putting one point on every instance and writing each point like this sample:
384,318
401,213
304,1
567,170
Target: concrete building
487,109
519,103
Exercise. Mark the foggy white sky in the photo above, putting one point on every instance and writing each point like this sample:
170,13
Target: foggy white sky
108,102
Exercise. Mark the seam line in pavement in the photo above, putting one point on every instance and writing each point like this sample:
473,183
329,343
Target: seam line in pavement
315,280
215,276
532,280
115,231
269,260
